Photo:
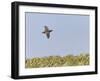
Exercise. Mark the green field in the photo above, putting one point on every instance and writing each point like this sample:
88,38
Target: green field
58,61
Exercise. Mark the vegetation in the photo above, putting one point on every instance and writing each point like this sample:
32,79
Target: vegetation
58,61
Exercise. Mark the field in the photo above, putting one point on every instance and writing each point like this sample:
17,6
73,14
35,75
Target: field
58,61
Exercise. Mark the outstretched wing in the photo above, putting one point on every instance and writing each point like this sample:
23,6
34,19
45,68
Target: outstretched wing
50,30
43,32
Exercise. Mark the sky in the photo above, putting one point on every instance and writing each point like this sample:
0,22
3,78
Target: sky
70,34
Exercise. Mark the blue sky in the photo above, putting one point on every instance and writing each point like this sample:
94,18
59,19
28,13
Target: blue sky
70,34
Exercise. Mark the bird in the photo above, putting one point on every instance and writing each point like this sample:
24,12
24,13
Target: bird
47,31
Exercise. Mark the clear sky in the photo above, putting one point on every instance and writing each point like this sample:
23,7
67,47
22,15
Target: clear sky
70,34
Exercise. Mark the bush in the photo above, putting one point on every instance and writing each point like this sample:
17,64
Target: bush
58,61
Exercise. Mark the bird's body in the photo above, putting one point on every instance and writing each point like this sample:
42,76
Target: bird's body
47,31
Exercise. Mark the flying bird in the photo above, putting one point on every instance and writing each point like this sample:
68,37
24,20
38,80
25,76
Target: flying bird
47,31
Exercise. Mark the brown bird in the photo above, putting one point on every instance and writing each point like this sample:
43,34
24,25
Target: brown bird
47,31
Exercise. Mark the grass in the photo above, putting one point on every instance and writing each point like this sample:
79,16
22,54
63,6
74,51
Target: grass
58,61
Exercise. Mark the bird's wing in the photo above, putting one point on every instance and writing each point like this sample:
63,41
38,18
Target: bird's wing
50,30
48,35
43,32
